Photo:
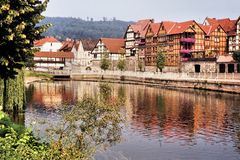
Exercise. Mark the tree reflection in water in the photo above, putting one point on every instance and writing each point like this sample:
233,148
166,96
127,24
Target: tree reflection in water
89,125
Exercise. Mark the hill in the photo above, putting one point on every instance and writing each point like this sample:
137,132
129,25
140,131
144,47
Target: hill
76,28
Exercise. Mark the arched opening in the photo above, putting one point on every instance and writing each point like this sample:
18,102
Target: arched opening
197,68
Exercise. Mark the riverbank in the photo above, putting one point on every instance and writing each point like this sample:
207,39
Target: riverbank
162,80
31,76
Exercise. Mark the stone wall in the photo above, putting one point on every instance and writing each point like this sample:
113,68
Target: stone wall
205,67
213,85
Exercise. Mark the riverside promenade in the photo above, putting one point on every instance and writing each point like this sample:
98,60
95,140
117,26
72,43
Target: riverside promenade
223,82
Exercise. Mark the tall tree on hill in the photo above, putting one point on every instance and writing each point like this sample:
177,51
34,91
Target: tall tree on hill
19,29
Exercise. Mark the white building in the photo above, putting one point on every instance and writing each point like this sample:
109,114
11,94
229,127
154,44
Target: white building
81,50
56,60
113,47
48,44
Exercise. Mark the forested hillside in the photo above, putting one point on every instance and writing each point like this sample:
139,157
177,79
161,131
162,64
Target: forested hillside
76,28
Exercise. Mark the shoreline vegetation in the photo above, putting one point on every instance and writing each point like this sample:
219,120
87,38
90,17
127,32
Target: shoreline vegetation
33,76
90,124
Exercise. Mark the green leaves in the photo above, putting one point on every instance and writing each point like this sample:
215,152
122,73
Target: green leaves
160,59
105,62
236,56
18,25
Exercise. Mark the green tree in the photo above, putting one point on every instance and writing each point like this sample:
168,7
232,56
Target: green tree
140,64
236,56
19,28
105,62
160,59
121,64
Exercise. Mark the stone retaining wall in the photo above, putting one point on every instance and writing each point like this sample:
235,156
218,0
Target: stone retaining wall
214,85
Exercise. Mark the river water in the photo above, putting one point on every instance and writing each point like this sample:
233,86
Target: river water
159,124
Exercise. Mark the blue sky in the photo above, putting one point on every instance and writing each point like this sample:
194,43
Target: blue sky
132,10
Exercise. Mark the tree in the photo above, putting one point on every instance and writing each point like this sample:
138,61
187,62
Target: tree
236,56
105,62
140,64
121,64
160,59
19,29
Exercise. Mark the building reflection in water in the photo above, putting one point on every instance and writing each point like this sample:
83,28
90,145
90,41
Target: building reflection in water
169,115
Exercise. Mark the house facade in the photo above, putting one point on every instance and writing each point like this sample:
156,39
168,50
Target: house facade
135,43
151,46
54,60
181,42
84,52
229,26
48,44
81,50
113,47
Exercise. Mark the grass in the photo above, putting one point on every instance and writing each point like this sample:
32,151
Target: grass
28,73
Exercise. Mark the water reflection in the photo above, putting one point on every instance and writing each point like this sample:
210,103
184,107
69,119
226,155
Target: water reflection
178,120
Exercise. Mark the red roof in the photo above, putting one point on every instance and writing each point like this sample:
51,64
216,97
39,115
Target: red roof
68,45
67,55
45,40
141,26
114,45
155,28
180,27
208,29
168,25
227,24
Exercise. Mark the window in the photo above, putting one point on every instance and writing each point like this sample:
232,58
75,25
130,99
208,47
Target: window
238,68
217,39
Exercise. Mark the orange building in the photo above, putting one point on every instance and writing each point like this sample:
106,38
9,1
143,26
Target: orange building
229,26
181,41
215,40
151,44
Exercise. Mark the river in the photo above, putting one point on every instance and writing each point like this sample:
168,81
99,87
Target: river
159,124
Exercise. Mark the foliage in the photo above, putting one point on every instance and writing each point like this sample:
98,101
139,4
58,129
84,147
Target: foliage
28,73
19,28
121,64
76,28
140,65
105,62
18,25
16,142
84,127
236,56
1,94
160,59
13,98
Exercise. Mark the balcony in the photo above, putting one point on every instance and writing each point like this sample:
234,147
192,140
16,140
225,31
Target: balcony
185,51
184,59
140,42
187,40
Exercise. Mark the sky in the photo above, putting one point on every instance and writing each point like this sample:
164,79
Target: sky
133,10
